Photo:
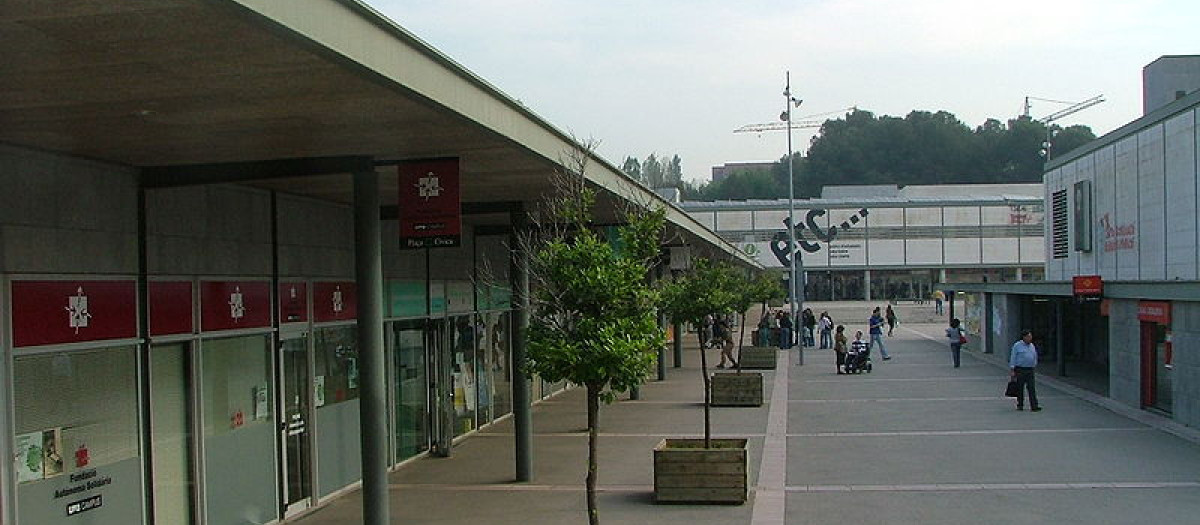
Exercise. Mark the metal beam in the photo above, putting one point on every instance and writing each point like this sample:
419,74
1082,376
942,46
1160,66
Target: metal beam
229,172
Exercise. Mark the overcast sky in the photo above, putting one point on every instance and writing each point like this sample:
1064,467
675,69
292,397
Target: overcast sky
677,77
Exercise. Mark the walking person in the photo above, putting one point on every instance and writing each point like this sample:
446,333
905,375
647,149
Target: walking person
955,335
725,341
764,331
876,323
1022,360
706,331
839,348
891,319
785,331
826,327
938,297
810,326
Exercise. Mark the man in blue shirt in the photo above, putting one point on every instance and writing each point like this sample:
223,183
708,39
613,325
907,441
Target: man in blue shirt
1022,360
876,324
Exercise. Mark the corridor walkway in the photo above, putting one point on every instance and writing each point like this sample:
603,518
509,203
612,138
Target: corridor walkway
916,441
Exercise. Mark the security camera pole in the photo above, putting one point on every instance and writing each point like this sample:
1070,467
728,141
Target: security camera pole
795,287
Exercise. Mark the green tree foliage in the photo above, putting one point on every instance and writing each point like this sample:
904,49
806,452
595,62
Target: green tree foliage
633,168
652,170
594,319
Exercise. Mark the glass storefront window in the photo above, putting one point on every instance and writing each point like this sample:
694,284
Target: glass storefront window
237,409
336,365
77,432
462,333
170,434
496,347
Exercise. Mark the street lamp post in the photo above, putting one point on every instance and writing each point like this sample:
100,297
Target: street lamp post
795,287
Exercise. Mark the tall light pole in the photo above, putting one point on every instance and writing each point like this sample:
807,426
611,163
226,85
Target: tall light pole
793,283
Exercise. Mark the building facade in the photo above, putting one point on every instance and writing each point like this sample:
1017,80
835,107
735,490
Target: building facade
889,242
1123,213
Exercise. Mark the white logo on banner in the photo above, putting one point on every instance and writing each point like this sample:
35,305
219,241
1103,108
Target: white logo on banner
237,308
77,310
338,305
429,186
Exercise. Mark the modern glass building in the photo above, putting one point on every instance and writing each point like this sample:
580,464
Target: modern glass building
885,242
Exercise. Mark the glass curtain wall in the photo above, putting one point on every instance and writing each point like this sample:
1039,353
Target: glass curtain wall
410,389
170,434
337,407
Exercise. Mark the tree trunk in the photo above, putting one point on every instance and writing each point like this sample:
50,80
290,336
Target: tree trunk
593,415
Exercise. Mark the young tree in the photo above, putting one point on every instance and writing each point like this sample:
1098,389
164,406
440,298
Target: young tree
709,288
594,318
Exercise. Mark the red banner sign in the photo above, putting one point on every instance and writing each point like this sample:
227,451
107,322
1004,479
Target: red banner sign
1088,285
233,305
1154,312
170,307
337,301
430,210
293,302
58,312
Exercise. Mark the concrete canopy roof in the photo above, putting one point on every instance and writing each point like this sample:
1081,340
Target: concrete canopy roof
172,83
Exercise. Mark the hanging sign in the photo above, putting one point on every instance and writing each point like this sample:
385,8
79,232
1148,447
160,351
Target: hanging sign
430,211
1087,285
170,307
335,301
234,305
1154,312
293,302
57,312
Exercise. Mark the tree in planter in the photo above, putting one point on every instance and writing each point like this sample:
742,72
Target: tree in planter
759,290
594,320
709,288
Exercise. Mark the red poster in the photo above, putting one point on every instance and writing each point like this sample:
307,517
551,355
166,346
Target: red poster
1088,285
170,307
293,302
430,210
57,312
234,305
336,301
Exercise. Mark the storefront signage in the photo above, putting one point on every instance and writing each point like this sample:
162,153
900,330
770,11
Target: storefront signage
430,210
170,307
335,301
1118,237
780,244
234,305
1154,312
1088,285
85,505
293,302
58,312
83,481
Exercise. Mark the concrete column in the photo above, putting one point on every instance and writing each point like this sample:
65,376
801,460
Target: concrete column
678,345
368,274
522,407
942,275
1059,339
662,350
1020,274
990,335
866,285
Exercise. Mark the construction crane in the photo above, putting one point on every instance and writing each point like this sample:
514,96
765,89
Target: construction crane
1072,108
796,124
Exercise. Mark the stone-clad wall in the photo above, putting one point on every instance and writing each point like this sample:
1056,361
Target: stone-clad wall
219,230
1185,336
66,215
1124,351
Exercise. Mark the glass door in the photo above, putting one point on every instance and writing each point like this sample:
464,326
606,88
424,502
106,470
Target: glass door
295,396
441,386
410,389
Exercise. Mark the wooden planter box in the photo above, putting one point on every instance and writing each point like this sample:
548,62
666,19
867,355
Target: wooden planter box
757,357
686,472
736,390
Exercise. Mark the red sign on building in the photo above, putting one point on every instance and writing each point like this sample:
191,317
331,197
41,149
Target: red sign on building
1088,285
335,301
58,312
170,307
430,211
293,302
1154,312
234,305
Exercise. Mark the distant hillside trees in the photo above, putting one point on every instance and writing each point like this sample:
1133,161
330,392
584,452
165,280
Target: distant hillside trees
921,148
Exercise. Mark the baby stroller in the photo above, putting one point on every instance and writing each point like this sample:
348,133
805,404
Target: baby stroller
858,358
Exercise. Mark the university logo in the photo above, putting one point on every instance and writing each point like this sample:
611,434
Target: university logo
429,186
338,304
237,306
77,310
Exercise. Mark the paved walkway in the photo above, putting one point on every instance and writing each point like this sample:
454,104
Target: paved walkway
916,441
